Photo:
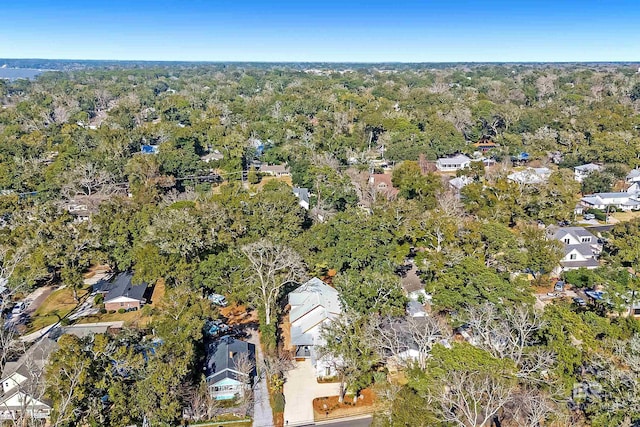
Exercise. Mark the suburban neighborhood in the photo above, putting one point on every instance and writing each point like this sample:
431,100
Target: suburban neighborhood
297,244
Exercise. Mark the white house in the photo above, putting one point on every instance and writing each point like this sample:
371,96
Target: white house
303,196
582,171
530,176
312,305
23,384
633,176
625,200
581,248
452,164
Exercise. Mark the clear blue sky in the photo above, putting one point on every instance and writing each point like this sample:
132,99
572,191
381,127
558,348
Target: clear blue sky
322,30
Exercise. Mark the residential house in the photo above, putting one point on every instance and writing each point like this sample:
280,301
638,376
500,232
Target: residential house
80,212
488,161
381,184
303,196
633,176
274,170
23,384
312,305
452,164
583,171
530,176
214,156
413,287
230,367
121,293
460,182
581,248
485,145
625,200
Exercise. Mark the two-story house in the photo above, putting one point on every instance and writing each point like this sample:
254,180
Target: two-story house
23,384
312,305
581,248
230,367
583,171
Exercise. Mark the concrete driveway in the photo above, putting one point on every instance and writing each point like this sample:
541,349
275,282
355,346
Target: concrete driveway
300,389
262,412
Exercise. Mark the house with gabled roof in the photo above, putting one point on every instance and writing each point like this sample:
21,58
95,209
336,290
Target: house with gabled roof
312,305
633,176
225,376
122,293
274,170
624,200
303,196
23,384
583,171
381,183
581,247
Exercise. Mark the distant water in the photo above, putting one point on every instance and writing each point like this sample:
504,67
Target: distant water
18,73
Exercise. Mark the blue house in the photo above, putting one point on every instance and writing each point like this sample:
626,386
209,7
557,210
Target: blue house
226,377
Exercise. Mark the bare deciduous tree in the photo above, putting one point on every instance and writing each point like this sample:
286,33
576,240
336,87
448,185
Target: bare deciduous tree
470,399
246,367
407,340
530,408
271,267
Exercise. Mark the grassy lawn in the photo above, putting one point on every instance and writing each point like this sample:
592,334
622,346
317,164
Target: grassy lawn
55,307
138,318
626,216
131,317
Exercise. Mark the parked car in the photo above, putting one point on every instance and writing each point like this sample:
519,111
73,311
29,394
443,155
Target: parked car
579,301
216,327
589,216
559,286
218,300
17,309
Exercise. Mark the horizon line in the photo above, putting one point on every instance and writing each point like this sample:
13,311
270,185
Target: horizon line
198,61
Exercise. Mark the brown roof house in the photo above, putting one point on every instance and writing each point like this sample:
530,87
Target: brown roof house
381,183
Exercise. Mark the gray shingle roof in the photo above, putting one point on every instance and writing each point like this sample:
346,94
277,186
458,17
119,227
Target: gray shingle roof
589,167
121,286
301,193
591,262
222,355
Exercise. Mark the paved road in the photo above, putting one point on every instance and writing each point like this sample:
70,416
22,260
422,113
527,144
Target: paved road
262,413
600,228
360,422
